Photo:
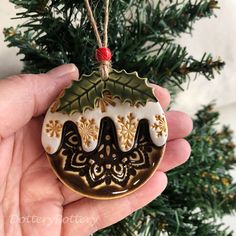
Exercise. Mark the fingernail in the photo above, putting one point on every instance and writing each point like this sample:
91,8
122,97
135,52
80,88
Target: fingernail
63,70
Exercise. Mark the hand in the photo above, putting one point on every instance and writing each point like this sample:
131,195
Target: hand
33,200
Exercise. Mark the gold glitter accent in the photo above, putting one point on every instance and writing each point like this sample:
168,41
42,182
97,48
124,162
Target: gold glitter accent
106,100
88,130
160,126
53,128
127,130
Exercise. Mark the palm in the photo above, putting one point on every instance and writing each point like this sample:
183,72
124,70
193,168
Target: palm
31,188
35,202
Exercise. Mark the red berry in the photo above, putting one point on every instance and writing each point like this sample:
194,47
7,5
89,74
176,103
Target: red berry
103,54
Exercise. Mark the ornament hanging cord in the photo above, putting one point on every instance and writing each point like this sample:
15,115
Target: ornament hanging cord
103,52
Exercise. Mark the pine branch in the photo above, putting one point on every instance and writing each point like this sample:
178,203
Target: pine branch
172,66
170,19
51,27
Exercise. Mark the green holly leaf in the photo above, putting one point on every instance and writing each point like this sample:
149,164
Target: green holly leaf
84,94
129,87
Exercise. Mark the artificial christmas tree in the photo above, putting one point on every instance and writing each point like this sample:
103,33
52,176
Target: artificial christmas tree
142,37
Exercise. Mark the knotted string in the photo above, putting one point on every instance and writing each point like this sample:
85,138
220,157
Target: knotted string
103,53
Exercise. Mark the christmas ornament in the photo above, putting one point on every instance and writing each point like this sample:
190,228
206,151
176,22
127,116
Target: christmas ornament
105,135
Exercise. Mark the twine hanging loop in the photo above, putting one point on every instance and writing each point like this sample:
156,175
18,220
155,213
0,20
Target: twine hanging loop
103,53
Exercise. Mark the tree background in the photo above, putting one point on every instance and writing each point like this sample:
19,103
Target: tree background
214,36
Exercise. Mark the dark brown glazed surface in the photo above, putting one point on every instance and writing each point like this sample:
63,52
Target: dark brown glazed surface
106,172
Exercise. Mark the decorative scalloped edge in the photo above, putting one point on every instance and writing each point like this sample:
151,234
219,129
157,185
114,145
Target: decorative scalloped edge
70,86
96,73
141,78
149,112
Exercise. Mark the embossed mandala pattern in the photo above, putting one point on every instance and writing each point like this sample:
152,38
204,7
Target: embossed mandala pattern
107,164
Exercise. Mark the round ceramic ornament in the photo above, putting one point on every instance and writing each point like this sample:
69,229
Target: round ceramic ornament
105,135
105,139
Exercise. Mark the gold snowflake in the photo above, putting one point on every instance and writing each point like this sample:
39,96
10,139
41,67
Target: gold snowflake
88,130
106,100
53,128
160,126
127,130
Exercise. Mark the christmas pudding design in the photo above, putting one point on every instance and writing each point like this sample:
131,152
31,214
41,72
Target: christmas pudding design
105,138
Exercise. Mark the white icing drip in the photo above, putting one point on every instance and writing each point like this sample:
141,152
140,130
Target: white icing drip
149,111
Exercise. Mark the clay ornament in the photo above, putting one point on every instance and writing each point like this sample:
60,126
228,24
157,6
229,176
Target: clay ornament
105,138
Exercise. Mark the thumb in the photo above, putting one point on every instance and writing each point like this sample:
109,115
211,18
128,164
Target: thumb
26,96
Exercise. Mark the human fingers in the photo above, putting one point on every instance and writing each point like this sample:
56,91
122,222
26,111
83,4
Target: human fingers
25,96
177,152
162,95
69,196
179,123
